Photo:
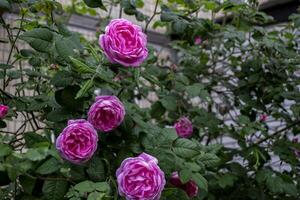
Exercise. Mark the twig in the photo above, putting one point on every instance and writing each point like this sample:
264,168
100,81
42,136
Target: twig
120,12
151,18
276,133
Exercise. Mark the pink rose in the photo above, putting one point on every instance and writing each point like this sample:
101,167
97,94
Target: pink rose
263,118
198,40
124,43
190,187
106,113
78,141
3,111
184,127
140,178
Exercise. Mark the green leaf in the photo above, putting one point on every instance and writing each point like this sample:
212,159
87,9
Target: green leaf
27,183
200,181
36,154
5,150
185,175
81,67
40,39
67,98
59,115
185,148
174,193
227,180
2,124
49,166
208,159
89,186
194,90
95,4
5,5
5,66
157,110
64,47
96,196
102,187
84,88
85,186
167,16
96,169
169,102
33,138
55,189
62,79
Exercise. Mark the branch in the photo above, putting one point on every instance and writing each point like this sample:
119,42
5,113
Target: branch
151,18
276,133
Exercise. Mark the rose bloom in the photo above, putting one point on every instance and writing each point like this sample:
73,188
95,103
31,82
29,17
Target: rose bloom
140,178
124,43
3,111
263,118
198,40
78,141
184,127
190,187
106,113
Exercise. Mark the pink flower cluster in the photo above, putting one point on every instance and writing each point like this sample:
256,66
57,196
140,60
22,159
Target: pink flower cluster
124,43
190,187
140,178
78,141
3,111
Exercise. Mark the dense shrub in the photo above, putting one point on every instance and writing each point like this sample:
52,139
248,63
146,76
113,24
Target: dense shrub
90,139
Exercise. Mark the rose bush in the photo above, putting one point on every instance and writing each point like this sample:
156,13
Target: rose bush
220,126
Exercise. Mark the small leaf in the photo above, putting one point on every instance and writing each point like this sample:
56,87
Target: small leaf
200,181
95,4
169,102
85,187
5,66
5,150
185,148
55,189
84,88
96,169
227,180
48,167
185,175
81,67
27,183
